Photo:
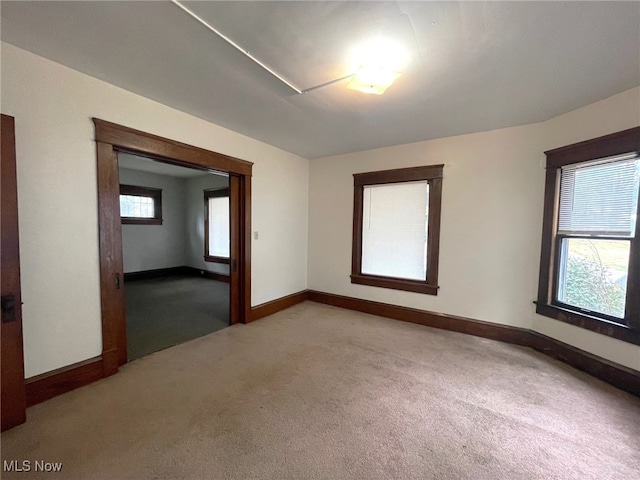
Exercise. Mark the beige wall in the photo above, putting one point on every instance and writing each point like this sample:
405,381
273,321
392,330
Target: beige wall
491,220
57,195
180,239
490,213
610,115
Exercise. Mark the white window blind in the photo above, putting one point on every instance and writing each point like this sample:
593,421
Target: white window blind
600,197
219,226
394,230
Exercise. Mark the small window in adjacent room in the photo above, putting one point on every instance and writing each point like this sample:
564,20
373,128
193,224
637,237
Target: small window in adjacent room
590,264
216,225
396,228
140,205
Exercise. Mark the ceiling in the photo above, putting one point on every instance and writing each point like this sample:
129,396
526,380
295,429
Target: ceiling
143,164
475,66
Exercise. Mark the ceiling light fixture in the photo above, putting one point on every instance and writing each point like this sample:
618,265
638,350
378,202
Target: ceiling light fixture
377,64
372,80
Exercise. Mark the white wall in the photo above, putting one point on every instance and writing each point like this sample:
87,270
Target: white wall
194,216
491,220
57,195
148,247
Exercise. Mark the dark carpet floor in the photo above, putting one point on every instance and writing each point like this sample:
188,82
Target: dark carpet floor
166,311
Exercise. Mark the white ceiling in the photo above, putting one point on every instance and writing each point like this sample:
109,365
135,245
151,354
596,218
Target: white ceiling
477,65
143,164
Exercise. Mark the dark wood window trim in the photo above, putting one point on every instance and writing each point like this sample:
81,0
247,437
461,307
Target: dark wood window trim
433,175
154,193
214,193
619,143
214,259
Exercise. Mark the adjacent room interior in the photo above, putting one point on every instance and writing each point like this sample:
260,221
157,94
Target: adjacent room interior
175,242
429,268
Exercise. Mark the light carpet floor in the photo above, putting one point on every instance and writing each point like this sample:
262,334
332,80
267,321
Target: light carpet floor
317,392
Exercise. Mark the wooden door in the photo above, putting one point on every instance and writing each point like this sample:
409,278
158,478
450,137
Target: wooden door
12,358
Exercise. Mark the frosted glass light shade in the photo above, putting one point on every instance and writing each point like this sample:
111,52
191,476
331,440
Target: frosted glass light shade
372,80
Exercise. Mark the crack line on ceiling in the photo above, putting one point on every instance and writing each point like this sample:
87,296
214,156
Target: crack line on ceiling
253,58
238,47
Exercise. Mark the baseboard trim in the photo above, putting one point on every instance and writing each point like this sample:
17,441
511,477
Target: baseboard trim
220,277
151,274
478,328
51,384
617,375
275,306
182,270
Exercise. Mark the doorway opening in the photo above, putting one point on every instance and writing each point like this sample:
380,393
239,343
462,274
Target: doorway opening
175,248
115,143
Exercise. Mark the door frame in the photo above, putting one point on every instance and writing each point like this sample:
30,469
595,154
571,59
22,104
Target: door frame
13,399
112,138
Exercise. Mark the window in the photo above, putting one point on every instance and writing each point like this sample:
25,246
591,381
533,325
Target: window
216,225
396,229
590,262
140,205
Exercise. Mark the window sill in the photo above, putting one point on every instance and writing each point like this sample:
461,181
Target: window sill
141,221
395,284
598,325
209,258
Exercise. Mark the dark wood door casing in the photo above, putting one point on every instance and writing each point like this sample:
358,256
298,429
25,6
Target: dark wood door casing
234,248
13,384
111,139
112,303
